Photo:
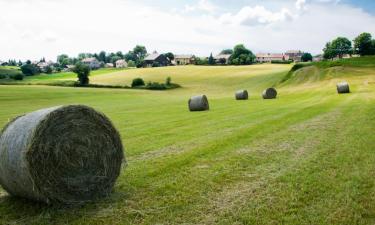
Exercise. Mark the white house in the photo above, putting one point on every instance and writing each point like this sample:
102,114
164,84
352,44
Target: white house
183,59
93,63
269,57
121,63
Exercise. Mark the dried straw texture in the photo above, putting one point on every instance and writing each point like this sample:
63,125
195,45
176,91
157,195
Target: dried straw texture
242,95
66,154
270,93
343,88
199,103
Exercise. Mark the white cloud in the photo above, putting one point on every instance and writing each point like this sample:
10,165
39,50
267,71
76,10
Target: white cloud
301,5
202,5
258,15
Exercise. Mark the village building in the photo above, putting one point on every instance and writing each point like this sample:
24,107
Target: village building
183,60
155,60
222,59
269,57
121,63
92,62
109,65
294,55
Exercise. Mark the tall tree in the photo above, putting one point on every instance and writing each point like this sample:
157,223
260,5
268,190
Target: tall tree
169,55
211,60
102,56
140,52
341,46
363,44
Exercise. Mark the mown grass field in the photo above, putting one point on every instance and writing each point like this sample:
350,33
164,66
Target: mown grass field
306,158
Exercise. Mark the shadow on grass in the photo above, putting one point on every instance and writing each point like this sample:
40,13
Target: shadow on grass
15,210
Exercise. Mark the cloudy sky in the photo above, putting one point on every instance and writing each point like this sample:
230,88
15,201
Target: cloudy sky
31,29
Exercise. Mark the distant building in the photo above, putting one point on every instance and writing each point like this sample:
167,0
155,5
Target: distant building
44,65
109,65
156,59
222,58
121,63
269,57
93,63
183,60
318,58
294,55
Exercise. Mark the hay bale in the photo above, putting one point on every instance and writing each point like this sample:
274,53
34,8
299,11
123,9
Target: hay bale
199,103
65,154
269,93
343,88
242,95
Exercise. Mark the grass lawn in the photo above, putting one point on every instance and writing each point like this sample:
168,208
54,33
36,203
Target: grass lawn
307,157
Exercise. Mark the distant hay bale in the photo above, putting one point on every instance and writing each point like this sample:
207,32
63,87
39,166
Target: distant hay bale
343,88
199,103
269,93
242,95
65,154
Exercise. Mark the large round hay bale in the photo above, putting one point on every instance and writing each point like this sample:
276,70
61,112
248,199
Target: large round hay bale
198,103
343,88
242,95
269,93
65,154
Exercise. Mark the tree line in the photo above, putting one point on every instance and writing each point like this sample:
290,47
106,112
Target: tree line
363,45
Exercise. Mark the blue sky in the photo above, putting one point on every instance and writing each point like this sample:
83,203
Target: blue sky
32,29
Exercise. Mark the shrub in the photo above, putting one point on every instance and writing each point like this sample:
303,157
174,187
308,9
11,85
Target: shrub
137,82
131,63
168,81
2,76
17,77
155,86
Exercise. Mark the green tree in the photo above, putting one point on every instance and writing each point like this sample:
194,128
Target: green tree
83,73
29,69
102,56
63,60
306,57
169,55
341,46
227,52
241,56
328,52
140,52
49,70
211,60
363,44
131,63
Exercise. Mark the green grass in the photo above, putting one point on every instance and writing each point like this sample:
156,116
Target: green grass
306,158
9,70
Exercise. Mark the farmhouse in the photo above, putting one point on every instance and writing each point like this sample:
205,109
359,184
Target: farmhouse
222,58
121,63
93,63
183,60
155,60
269,57
44,65
294,55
